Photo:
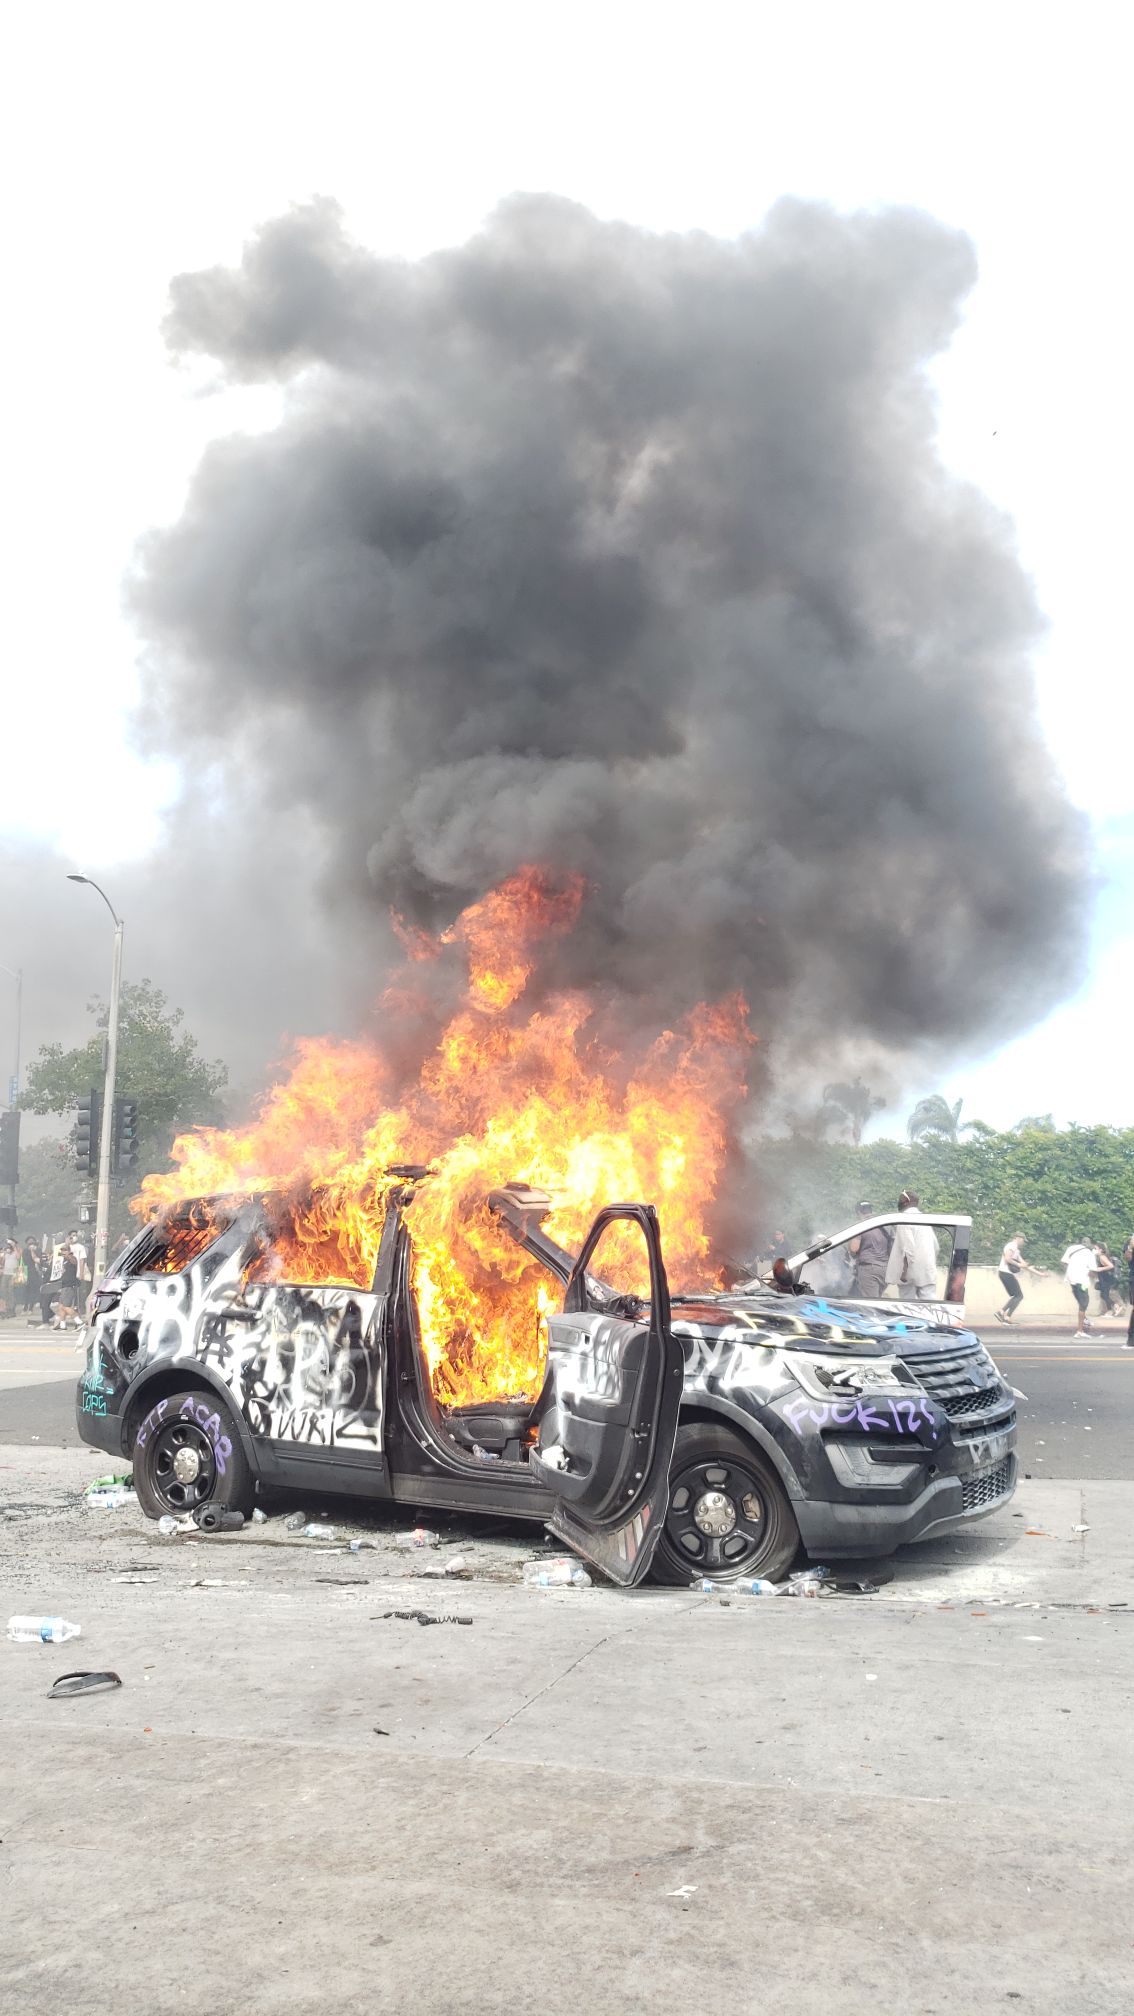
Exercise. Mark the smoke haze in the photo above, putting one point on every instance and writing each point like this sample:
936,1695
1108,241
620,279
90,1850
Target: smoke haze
633,555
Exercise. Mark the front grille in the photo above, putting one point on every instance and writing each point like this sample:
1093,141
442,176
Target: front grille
957,1405
987,1486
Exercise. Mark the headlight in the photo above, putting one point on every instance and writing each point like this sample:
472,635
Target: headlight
828,1378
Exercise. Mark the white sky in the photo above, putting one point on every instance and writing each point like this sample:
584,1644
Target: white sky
141,140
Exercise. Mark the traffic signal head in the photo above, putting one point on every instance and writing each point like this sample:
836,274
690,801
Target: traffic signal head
86,1135
125,1135
9,1147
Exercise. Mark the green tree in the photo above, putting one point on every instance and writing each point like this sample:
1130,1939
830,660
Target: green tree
934,1116
159,1065
852,1104
48,1196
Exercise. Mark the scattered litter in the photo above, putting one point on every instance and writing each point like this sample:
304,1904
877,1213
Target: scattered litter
380,1732
1080,1529
295,1522
418,1536
870,1676
807,1582
754,1585
345,1581
1031,1639
111,1498
111,1481
167,1525
562,1573
81,1683
857,1587
42,1630
1087,1428
150,1575
259,1516
686,1890
1037,1533
313,1532
217,1519
485,1455
436,1571
426,1616
215,1582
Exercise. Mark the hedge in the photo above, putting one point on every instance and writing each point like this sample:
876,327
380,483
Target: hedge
1054,1187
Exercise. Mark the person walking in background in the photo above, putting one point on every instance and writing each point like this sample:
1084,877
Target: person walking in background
1012,1265
870,1252
912,1265
1128,1256
9,1255
66,1309
1107,1282
33,1275
1079,1264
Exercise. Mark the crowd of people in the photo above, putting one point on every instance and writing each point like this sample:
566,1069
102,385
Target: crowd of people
902,1258
51,1275
1086,1264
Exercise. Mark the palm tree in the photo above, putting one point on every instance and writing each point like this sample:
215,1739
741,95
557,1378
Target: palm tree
853,1105
935,1116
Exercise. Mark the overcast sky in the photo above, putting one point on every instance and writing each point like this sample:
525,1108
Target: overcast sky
140,141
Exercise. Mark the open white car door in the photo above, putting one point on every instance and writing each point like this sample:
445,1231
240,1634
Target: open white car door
614,1380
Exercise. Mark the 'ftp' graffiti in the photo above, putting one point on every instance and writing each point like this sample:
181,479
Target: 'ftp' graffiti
883,1415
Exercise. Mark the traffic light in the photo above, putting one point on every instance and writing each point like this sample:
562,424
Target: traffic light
124,1152
87,1134
9,1147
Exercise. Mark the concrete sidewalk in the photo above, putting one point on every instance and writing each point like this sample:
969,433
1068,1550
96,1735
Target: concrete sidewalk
583,1799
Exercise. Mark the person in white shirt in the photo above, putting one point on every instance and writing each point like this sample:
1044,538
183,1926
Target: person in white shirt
1079,1263
1012,1265
912,1265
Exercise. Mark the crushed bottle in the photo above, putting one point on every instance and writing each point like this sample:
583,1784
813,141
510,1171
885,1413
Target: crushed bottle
418,1536
562,1573
807,1582
745,1585
295,1522
259,1516
42,1630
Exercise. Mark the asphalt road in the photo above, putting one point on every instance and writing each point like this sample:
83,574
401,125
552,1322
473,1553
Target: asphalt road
1076,1422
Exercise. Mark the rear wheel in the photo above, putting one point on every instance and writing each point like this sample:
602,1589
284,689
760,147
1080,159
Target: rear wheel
187,1453
728,1513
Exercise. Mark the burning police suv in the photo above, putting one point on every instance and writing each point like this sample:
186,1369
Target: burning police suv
699,1434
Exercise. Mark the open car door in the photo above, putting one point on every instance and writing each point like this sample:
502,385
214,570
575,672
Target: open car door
614,1379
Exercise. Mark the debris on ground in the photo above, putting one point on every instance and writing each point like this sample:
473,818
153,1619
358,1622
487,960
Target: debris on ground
562,1573
42,1630
109,1497
81,1683
217,1519
295,1522
751,1585
426,1616
418,1536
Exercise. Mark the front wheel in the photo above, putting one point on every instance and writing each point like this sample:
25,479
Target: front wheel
728,1512
187,1453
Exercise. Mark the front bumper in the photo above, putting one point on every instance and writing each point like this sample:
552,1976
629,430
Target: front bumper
829,1528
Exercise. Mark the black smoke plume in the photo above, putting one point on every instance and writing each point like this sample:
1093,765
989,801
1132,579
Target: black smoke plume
633,555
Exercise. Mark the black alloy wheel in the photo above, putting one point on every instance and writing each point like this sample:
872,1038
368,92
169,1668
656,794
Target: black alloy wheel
728,1514
191,1456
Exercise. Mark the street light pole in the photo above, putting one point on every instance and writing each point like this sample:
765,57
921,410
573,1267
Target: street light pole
102,1209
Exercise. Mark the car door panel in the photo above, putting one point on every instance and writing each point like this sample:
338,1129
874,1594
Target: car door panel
606,1435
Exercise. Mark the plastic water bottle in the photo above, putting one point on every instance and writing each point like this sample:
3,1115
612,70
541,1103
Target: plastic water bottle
42,1630
561,1574
167,1524
317,1533
753,1585
421,1536
295,1522
259,1516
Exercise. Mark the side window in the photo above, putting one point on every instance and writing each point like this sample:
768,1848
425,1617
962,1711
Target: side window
618,1272
313,1242
907,1256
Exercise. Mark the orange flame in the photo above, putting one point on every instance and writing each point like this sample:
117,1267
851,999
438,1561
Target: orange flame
506,1093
